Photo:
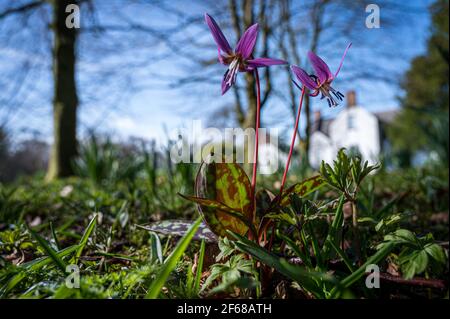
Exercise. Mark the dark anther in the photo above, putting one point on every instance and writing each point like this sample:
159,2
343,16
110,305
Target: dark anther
296,84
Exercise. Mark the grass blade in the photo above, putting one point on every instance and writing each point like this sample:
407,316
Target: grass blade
307,279
336,225
171,261
52,229
53,254
292,245
31,266
155,248
198,275
342,254
355,276
84,239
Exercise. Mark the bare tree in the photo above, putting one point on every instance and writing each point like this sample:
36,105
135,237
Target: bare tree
65,100
288,29
41,29
111,56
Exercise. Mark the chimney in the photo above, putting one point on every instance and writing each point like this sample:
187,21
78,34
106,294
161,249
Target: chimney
317,124
351,99
317,116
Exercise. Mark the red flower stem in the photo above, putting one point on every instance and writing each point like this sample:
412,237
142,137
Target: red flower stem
258,111
297,120
286,169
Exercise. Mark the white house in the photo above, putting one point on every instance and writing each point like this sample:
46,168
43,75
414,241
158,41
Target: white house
354,128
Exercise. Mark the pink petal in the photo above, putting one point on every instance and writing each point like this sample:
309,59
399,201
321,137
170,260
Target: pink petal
217,34
247,42
304,77
225,86
262,62
320,67
342,60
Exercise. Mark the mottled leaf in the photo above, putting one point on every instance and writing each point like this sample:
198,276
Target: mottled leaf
179,228
302,189
228,184
215,205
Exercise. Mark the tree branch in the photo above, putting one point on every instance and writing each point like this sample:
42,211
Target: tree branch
21,9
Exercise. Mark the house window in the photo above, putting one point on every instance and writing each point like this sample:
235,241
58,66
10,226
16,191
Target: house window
351,122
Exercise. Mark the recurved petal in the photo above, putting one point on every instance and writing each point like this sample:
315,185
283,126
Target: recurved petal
342,60
262,62
217,34
320,67
225,86
304,77
247,41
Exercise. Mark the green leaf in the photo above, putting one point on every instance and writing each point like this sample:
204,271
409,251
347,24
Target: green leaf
49,250
342,254
292,245
224,209
171,261
33,266
436,252
355,276
335,227
155,248
226,249
302,189
307,279
84,239
55,238
403,236
199,273
264,200
226,183
413,263
388,221
239,282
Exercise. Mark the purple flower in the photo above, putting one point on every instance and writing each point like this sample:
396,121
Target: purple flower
240,59
321,81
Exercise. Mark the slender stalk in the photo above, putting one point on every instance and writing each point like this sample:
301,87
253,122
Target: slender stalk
356,238
294,135
258,111
286,169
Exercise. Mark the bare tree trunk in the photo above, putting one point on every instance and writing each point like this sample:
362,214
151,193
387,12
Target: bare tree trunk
250,117
291,50
65,99
316,16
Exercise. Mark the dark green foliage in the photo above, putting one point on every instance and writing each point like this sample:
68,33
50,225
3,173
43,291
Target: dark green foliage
417,254
94,224
423,121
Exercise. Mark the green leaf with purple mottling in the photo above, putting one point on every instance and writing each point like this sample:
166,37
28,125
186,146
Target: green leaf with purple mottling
228,184
178,227
302,189
223,209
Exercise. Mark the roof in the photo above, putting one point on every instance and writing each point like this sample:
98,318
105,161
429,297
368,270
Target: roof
323,125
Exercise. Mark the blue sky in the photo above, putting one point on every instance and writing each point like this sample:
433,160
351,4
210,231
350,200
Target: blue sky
145,113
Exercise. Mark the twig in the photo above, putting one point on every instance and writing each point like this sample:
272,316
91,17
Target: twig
422,282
